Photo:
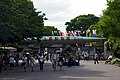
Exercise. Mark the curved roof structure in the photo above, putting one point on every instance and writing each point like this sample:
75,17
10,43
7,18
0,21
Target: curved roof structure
70,38
50,40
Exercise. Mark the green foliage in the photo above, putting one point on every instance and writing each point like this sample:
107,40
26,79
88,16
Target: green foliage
18,20
47,30
82,22
115,61
109,24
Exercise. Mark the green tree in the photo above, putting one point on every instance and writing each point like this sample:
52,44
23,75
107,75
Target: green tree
19,20
5,28
48,30
82,22
109,24
110,21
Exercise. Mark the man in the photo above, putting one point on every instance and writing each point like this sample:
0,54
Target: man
86,55
11,61
60,62
54,61
24,63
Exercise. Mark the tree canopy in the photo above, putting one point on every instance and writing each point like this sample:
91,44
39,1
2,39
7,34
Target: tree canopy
82,22
109,25
48,30
19,19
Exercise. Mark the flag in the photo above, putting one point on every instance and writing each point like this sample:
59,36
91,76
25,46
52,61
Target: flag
67,33
50,38
62,38
55,33
76,44
79,32
72,33
76,33
94,33
39,51
61,33
52,33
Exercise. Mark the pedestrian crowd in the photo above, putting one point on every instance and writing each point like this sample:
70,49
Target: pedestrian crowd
57,59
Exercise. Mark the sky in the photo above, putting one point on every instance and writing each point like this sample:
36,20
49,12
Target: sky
60,11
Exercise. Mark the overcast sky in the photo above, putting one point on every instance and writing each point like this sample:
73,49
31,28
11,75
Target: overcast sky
60,11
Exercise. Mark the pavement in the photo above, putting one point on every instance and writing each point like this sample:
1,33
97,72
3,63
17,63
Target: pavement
86,71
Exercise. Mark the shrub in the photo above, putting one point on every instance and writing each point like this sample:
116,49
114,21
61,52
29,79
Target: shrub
115,61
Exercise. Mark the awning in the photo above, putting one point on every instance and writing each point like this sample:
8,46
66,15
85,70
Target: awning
9,48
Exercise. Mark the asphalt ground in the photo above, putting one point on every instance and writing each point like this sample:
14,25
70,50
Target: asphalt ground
86,71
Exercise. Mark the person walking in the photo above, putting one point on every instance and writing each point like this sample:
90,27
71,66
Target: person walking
32,62
86,55
41,61
60,62
5,60
1,63
70,61
12,62
96,57
24,63
54,61
17,60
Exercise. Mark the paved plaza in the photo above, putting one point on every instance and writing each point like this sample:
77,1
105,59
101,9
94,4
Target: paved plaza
86,71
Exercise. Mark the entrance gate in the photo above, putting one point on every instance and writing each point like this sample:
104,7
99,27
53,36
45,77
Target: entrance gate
73,44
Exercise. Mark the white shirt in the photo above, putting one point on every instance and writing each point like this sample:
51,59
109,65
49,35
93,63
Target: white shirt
12,60
110,57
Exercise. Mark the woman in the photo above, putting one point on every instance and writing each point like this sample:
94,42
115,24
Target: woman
41,61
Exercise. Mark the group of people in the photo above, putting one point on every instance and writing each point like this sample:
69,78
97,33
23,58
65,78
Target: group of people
96,56
8,61
28,60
